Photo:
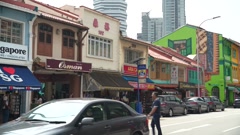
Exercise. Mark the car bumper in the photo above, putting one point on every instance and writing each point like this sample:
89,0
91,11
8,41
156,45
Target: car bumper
192,108
236,105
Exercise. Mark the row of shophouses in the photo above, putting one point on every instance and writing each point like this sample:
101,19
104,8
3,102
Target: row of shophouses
79,52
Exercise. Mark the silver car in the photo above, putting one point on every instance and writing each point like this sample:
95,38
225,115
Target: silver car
79,117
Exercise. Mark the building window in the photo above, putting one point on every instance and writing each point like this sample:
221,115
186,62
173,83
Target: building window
68,41
163,68
45,35
11,32
99,47
130,55
180,73
234,55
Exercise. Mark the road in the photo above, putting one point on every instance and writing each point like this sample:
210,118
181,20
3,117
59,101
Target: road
213,123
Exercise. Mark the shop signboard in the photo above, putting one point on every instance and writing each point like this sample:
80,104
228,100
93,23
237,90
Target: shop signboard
185,85
12,51
174,75
142,86
68,65
131,70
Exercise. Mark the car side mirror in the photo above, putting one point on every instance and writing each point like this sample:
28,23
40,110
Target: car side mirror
86,121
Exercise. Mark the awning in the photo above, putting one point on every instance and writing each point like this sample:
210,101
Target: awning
17,78
135,79
234,89
110,81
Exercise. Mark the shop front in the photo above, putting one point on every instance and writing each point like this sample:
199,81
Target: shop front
232,93
15,82
190,89
145,86
103,84
61,79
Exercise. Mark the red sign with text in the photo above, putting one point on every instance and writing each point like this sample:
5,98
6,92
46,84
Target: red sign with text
131,70
106,26
142,86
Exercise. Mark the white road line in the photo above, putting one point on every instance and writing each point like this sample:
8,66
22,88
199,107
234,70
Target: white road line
180,123
189,129
231,129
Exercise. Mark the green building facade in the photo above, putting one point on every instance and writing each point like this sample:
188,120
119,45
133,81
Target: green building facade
214,55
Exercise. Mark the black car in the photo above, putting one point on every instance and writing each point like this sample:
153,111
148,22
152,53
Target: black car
79,117
214,103
197,105
236,103
171,105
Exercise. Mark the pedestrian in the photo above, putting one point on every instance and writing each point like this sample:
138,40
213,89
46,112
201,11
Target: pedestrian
155,112
6,108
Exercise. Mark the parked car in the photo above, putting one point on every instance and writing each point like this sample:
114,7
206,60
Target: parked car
197,105
79,117
214,103
236,103
171,105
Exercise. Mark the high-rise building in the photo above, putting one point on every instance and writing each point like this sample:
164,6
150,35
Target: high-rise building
151,28
173,15
114,8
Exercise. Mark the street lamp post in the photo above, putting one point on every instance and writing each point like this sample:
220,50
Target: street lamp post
198,72
138,105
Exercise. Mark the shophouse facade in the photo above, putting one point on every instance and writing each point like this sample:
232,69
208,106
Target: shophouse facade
132,50
57,52
173,73
16,22
231,65
214,55
101,48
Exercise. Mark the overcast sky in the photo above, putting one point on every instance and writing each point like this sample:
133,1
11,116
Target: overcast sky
196,12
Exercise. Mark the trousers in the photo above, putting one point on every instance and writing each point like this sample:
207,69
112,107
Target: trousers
156,121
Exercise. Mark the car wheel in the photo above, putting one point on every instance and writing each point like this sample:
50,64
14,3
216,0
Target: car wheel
185,111
223,109
199,109
170,113
207,109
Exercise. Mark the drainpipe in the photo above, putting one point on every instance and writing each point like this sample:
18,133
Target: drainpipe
30,60
79,55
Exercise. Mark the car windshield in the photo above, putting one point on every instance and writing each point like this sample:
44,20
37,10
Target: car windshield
63,112
206,99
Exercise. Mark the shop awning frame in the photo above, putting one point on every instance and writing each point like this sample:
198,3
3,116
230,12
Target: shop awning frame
110,81
18,78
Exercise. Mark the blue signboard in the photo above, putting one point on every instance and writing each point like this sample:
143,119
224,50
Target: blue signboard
18,78
142,74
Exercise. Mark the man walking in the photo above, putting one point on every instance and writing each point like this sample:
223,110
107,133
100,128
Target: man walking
155,112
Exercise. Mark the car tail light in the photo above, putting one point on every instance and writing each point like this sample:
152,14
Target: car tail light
210,103
163,104
147,122
193,103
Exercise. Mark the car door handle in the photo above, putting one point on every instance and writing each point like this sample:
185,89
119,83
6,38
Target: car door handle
107,127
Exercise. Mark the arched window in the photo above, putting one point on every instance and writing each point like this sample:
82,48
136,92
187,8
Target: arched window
68,41
215,91
45,36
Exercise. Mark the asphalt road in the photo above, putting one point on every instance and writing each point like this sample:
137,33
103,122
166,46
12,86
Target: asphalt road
213,123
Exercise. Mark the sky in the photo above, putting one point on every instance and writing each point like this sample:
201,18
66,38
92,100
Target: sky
196,12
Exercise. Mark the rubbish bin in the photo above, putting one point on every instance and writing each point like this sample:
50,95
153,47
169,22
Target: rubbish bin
139,107
132,104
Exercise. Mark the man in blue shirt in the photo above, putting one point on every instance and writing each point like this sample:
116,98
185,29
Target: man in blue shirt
155,112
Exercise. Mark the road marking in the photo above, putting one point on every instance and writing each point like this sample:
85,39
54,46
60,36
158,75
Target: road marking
189,129
231,129
180,123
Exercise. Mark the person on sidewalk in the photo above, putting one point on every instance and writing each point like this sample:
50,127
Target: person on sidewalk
6,109
155,112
